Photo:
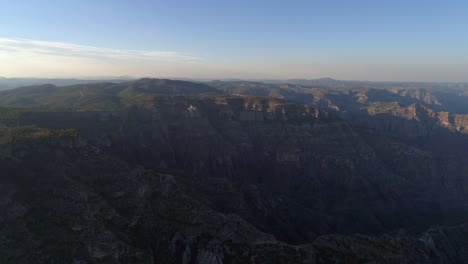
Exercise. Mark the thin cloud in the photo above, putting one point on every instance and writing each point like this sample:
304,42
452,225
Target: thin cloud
62,49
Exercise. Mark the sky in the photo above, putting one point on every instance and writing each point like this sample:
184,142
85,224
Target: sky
379,40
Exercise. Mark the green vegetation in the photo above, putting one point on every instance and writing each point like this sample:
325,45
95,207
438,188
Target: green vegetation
9,135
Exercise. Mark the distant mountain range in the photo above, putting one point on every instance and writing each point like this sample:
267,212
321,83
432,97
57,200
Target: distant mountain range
10,83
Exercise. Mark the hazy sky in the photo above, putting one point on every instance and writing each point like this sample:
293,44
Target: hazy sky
345,39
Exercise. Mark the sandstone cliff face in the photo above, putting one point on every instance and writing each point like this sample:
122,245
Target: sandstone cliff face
417,134
443,107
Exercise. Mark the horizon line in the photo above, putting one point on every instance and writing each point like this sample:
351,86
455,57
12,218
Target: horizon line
129,77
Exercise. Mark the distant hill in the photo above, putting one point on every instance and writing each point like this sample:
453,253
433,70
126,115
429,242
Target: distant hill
103,95
333,83
10,83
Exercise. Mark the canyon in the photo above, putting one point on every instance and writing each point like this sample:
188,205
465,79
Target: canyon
166,171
